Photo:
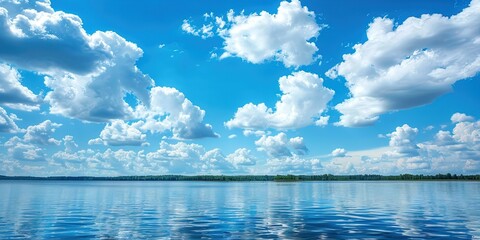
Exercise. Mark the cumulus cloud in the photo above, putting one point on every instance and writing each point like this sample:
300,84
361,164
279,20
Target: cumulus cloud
409,64
285,36
193,158
467,132
402,140
36,37
90,75
80,68
215,162
303,100
12,93
7,123
456,151
106,163
31,145
339,152
322,121
168,158
99,96
294,165
257,133
461,117
204,32
281,146
298,145
69,143
171,110
18,149
120,133
241,157
40,134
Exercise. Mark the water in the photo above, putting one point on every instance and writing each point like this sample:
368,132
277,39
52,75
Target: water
238,210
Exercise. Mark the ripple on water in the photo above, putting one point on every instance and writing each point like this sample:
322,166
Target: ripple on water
186,210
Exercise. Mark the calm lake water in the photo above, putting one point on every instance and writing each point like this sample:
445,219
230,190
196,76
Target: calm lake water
239,210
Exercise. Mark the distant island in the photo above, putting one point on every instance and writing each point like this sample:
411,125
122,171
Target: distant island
244,178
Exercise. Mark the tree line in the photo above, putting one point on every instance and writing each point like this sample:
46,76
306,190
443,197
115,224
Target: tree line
240,178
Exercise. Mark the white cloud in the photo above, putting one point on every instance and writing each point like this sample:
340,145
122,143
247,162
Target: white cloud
429,128
95,141
322,121
280,146
408,65
461,117
339,152
456,151
232,136
274,146
18,149
285,36
241,157
80,68
190,158
171,110
298,145
403,141
257,133
169,158
120,133
214,162
467,132
7,123
107,163
69,143
303,100
36,37
293,165
90,75
31,146
12,93
206,31
99,96
41,134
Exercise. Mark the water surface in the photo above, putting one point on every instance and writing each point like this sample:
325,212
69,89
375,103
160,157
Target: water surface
239,210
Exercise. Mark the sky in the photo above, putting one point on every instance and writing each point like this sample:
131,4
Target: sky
108,88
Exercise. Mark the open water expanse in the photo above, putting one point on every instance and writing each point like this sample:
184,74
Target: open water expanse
239,210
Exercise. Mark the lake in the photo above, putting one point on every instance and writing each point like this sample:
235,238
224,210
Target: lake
239,210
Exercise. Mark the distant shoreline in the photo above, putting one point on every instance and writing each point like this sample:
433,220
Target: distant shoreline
257,178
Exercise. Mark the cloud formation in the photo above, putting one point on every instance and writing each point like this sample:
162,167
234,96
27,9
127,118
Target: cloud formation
402,140
12,93
7,123
90,75
99,96
339,152
281,146
285,36
461,117
241,157
119,133
30,147
293,165
170,110
409,64
36,37
303,100
456,151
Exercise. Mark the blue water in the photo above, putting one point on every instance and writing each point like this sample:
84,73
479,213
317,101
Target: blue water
239,210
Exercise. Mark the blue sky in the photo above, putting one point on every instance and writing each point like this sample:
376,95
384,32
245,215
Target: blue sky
268,87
